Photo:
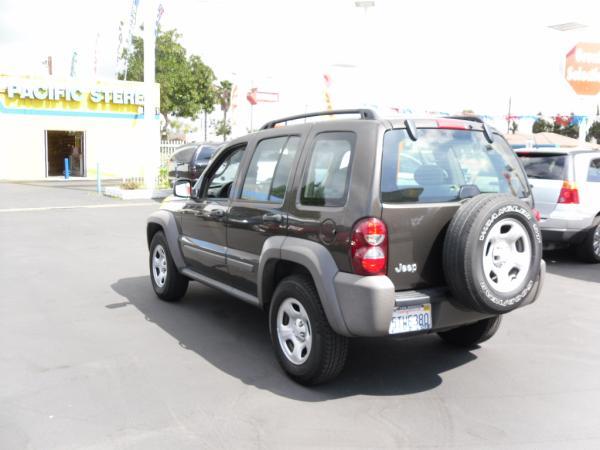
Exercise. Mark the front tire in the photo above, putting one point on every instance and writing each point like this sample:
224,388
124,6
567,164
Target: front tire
470,335
167,282
307,349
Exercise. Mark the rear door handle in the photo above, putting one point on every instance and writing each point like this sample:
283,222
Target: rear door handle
272,218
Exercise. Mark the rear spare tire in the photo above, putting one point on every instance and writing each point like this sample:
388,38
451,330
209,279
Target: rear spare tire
492,253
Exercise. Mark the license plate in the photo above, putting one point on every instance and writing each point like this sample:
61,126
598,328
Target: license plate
406,319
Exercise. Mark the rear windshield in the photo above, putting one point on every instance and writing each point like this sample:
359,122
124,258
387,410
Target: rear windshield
547,167
183,154
436,166
205,153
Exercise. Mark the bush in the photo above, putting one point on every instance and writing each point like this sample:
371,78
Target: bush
130,185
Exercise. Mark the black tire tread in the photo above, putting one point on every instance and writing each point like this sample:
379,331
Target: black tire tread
585,250
335,346
459,243
472,334
177,284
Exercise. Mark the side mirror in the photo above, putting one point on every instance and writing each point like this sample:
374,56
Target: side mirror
182,188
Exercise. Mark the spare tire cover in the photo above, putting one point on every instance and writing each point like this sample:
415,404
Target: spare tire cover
492,253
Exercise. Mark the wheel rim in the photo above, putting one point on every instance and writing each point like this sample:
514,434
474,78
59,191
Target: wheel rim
294,332
159,265
507,255
596,242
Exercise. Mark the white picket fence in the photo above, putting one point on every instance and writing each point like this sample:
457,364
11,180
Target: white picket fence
167,148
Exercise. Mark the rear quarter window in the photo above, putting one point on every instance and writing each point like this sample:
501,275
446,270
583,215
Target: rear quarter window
326,178
594,171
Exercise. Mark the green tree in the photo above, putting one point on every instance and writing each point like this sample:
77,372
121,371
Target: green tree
223,128
594,132
224,96
541,125
186,84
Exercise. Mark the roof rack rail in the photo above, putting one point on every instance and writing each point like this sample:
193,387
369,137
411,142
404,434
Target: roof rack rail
365,114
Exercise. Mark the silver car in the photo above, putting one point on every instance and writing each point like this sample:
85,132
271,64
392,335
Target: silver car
566,189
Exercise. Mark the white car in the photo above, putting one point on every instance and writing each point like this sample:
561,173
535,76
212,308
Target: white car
566,189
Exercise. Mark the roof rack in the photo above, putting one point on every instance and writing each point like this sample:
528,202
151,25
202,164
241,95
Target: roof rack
365,114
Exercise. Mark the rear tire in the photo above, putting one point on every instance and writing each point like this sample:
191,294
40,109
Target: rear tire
307,348
470,335
589,250
167,282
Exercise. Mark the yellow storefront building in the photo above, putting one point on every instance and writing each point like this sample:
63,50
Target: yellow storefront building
47,124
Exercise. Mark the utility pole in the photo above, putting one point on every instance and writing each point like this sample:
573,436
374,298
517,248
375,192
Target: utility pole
48,63
508,117
151,150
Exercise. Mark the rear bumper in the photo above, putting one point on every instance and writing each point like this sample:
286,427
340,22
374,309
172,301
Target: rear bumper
367,304
566,225
563,236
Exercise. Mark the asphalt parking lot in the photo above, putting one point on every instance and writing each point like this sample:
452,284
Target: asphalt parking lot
90,358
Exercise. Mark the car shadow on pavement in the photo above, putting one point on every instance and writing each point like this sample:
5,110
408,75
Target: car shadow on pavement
566,264
233,336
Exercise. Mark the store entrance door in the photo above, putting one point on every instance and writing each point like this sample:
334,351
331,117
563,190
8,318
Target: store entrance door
61,145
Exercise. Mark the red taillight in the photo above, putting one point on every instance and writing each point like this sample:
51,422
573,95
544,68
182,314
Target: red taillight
537,215
568,193
368,247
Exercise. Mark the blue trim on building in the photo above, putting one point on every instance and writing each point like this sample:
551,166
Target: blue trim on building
50,112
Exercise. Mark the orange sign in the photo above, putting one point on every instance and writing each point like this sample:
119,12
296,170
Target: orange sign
582,69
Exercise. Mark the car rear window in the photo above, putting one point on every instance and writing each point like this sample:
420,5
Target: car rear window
184,154
440,162
546,167
205,153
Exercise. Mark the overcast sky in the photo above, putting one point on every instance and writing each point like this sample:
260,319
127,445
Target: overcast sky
422,55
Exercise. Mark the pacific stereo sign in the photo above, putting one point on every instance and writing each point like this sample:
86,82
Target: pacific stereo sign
72,97
582,69
70,94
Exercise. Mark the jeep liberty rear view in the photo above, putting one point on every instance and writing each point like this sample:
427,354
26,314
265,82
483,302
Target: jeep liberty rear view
358,226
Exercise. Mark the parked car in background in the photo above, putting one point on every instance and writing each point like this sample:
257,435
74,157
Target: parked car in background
190,160
566,189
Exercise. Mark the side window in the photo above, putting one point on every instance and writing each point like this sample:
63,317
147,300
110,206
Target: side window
269,169
326,179
594,171
221,180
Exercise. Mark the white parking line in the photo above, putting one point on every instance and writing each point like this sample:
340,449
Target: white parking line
103,205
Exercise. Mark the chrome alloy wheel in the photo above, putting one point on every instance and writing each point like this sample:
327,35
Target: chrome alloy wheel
596,242
507,255
159,265
293,331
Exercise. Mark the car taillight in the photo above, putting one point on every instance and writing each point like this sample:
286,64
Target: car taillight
536,214
568,193
368,247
